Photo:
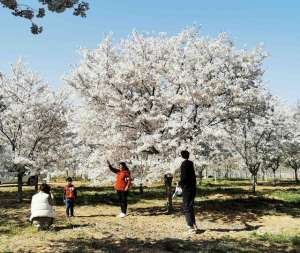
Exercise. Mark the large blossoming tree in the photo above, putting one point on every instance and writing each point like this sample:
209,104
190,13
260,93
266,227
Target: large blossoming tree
158,93
33,121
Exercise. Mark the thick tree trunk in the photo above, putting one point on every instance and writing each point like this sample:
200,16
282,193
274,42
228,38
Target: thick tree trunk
20,190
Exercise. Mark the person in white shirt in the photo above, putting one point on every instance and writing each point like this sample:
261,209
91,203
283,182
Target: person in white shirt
42,211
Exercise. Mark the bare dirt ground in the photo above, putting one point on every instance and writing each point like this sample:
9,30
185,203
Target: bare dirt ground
230,220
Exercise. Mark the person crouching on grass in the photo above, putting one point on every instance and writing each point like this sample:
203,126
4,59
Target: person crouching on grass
122,184
70,195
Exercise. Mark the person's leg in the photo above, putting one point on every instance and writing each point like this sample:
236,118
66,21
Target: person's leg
36,222
125,202
188,207
68,208
46,222
72,208
192,208
120,198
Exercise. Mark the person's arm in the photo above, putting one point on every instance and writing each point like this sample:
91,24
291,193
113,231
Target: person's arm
50,200
114,170
75,193
128,183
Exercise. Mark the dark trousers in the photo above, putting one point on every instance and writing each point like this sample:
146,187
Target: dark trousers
123,200
188,196
70,207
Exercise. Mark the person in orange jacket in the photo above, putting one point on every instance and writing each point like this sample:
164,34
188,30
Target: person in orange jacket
122,184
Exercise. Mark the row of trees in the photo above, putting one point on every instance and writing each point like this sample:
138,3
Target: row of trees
143,100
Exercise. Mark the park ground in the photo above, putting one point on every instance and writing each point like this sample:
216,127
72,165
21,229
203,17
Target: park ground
230,217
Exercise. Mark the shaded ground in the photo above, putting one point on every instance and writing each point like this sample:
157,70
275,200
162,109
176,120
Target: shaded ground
230,217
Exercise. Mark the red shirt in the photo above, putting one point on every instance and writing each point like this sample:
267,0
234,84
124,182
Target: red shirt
70,192
122,180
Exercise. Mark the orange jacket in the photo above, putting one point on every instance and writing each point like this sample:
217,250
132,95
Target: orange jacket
122,180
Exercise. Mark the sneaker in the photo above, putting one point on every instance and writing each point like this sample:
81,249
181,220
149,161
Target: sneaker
122,215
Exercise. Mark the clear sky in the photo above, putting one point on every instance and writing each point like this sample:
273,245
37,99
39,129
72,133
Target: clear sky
275,23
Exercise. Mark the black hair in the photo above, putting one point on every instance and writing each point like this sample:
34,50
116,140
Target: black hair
45,188
69,179
185,154
124,165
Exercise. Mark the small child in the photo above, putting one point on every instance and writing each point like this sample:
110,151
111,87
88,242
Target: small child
70,195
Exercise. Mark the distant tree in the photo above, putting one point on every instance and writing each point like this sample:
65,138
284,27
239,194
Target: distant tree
291,147
58,6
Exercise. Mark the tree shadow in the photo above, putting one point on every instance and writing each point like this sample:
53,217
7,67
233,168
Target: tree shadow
95,215
134,245
242,210
58,228
108,196
208,191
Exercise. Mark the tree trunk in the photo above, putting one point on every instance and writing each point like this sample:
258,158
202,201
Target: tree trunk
296,175
141,188
36,186
254,183
168,184
201,177
274,177
20,184
263,175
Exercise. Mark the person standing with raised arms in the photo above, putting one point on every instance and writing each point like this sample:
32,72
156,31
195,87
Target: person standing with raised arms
122,184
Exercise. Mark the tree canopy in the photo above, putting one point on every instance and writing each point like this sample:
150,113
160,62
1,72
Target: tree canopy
29,12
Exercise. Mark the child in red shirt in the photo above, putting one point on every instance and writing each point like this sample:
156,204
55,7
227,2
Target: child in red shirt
70,195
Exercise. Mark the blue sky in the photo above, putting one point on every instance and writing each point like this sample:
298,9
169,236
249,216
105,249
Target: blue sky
275,23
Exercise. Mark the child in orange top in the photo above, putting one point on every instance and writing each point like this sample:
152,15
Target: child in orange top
122,184
70,195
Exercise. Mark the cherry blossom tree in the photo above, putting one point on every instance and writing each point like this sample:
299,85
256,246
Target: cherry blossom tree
33,123
257,135
30,12
158,93
291,146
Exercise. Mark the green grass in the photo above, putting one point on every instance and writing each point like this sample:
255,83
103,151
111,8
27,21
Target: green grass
278,238
225,202
291,195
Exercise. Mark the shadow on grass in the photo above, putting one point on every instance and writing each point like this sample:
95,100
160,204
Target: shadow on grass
58,228
134,245
241,210
108,196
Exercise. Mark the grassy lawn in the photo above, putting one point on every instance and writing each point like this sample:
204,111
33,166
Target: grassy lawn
230,217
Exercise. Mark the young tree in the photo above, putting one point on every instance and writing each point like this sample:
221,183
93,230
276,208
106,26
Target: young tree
28,12
257,135
34,121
